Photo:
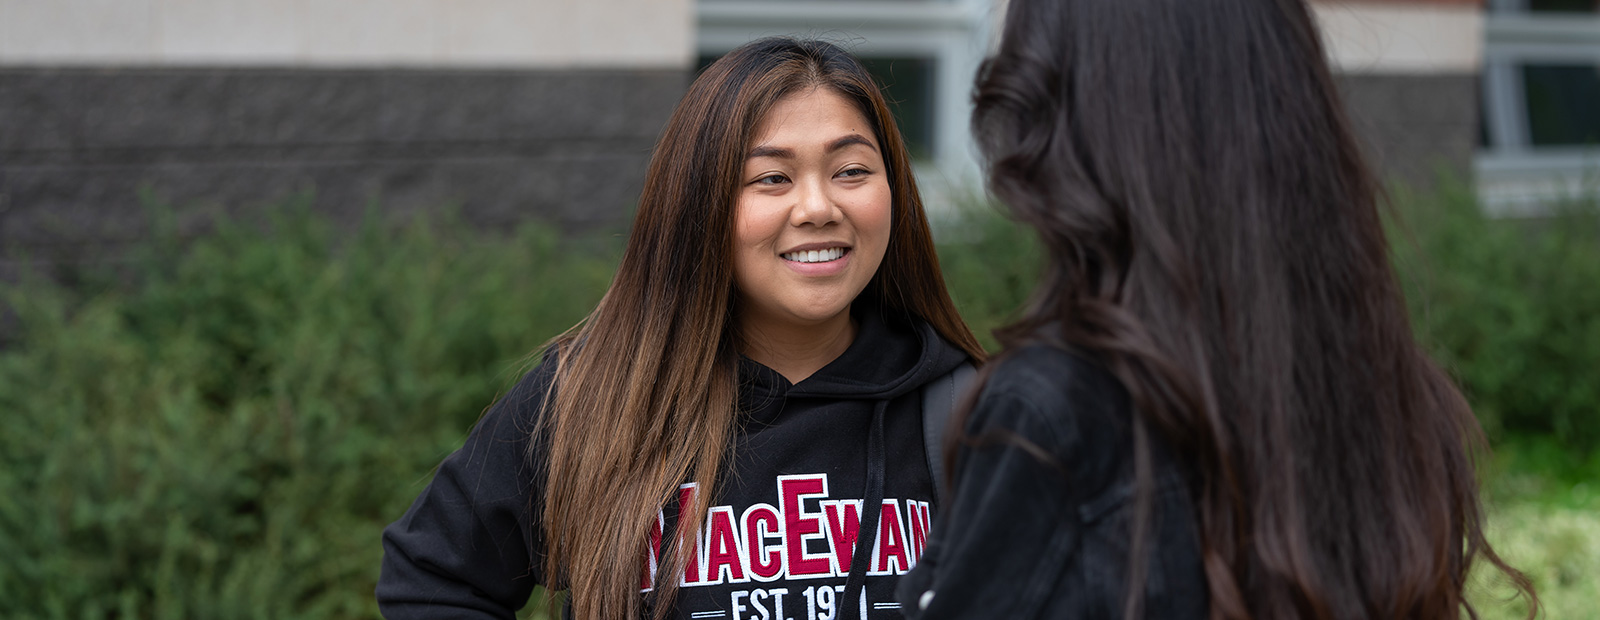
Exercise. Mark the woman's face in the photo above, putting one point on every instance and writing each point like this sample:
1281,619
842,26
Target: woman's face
812,219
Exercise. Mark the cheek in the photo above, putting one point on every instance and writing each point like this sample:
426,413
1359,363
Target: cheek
874,216
742,233
754,223
753,237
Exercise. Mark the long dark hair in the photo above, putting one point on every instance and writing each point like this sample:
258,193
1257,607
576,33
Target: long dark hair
1214,239
646,387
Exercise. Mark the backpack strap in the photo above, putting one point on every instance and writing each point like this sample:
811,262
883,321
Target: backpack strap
938,401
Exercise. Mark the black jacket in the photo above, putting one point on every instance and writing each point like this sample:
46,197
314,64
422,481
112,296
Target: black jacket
1030,537
779,538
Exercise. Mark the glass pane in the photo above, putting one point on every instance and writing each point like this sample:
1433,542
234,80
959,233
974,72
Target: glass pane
704,61
1483,128
1564,6
1563,103
908,85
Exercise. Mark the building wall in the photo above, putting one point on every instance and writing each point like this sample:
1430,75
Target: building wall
948,38
1408,71
508,110
342,33
1541,90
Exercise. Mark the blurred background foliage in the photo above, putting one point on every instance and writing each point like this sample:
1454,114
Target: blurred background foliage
222,427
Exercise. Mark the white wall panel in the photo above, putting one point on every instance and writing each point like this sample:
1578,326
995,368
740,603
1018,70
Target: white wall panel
519,31
631,32
426,33
220,31
1401,38
75,31
365,32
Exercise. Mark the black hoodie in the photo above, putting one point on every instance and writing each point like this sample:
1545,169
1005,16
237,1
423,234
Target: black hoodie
778,541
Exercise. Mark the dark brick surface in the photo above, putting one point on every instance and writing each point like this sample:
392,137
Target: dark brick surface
66,203
303,108
1414,126
124,110
36,111
79,146
81,150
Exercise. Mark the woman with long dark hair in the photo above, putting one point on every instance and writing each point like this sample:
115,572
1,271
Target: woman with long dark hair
1214,406
758,368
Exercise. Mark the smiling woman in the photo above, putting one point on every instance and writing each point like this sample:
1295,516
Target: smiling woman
811,227
758,369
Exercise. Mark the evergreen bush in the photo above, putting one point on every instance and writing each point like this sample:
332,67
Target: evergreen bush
1511,307
226,435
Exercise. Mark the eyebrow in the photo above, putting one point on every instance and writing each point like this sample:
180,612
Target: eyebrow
836,144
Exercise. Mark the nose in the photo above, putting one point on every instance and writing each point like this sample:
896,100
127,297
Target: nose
813,205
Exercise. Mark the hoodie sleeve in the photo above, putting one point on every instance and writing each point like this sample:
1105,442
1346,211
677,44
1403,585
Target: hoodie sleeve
465,548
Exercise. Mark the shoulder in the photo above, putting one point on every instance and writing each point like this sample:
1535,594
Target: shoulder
517,413
1058,386
1046,366
537,384
1061,403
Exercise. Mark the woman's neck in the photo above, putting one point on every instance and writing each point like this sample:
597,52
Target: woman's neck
797,351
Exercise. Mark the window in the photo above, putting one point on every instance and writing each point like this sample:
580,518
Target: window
1563,102
907,84
1563,6
1541,102
922,52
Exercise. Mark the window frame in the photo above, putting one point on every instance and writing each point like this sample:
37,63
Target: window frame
1514,176
955,35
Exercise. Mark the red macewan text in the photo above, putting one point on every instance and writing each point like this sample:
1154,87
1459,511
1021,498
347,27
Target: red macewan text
804,535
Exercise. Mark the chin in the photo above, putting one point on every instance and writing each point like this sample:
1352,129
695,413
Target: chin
818,313
817,317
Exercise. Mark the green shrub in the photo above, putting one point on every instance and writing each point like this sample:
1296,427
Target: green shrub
990,266
226,437
1511,307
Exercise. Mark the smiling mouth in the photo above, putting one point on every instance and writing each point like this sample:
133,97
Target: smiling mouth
816,256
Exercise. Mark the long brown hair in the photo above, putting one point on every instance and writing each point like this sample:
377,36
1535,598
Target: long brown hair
645,395
1214,239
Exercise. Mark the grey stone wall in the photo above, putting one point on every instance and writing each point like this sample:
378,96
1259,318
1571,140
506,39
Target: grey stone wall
1414,126
78,147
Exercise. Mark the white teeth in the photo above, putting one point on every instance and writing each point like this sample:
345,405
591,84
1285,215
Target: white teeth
815,256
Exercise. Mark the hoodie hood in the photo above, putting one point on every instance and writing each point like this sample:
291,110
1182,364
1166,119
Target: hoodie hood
893,355
853,429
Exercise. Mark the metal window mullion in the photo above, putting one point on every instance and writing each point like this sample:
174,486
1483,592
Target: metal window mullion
1505,105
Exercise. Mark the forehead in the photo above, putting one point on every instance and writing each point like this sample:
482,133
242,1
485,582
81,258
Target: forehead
816,114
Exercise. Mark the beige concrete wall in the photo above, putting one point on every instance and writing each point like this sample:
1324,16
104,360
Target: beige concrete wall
1408,71
358,33
1402,37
